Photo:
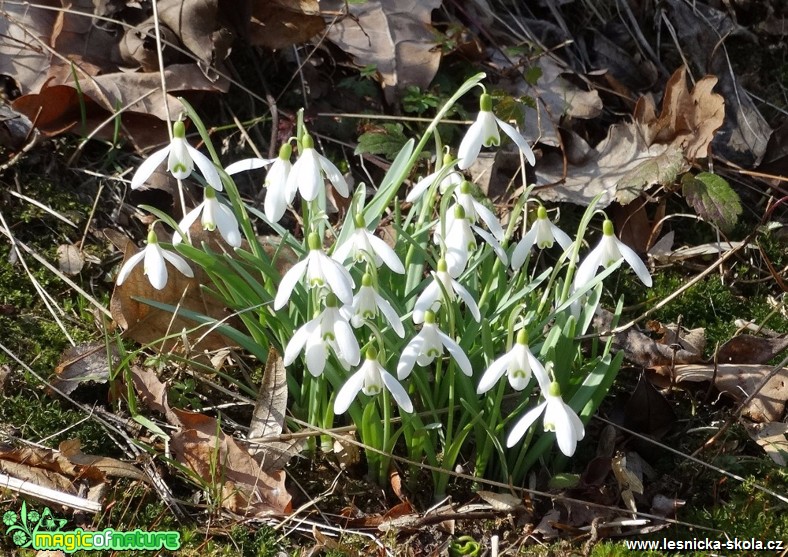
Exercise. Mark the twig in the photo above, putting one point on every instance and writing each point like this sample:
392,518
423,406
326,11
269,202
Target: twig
48,494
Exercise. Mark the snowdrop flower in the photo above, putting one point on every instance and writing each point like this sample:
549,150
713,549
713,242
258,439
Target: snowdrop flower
366,305
277,197
214,215
362,243
558,417
609,250
181,158
327,329
154,266
370,379
460,241
306,176
320,270
452,179
543,233
428,345
484,131
475,210
432,296
517,364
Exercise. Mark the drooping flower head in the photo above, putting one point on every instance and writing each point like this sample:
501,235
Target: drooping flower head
460,241
558,417
320,270
370,379
306,176
366,305
484,131
428,345
450,179
181,158
609,250
154,265
364,244
328,329
517,364
543,234
476,210
276,197
435,294
214,215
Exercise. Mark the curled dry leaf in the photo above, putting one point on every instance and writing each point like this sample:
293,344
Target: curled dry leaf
82,363
645,351
48,468
738,381
152,392
749,349
772,438
113,467
394,36
268,417
217,457
635,155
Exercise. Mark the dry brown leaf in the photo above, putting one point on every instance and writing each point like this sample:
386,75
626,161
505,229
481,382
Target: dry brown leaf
84,362
47,468
739,381
394,36
504,502
268,417
15,129
635,155
282,23
71,449
70,259
152,392
772,438
749,349
645,351
216,457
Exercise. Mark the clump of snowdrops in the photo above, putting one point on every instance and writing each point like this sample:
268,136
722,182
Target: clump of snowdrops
446,347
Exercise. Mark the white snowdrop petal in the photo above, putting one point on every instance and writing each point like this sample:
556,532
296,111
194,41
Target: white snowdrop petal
489,219
289,282
493,374
186,223
206,167
522,248
386,253
298,340
427,300
316,353
245,165
523,424
457,353
148,167
466,297
561,237
539,371
127,267
154,267
346,341
349,391
493,243
471,144
420,187
635,262
227,225
587,269
334,176
409,356
178,262
390,314
338,279
522,144
397,391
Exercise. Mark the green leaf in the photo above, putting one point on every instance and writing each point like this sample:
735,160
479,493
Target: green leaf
386,140
713,199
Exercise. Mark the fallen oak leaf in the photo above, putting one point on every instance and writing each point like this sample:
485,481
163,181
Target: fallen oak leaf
215,456
72,450
85,362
